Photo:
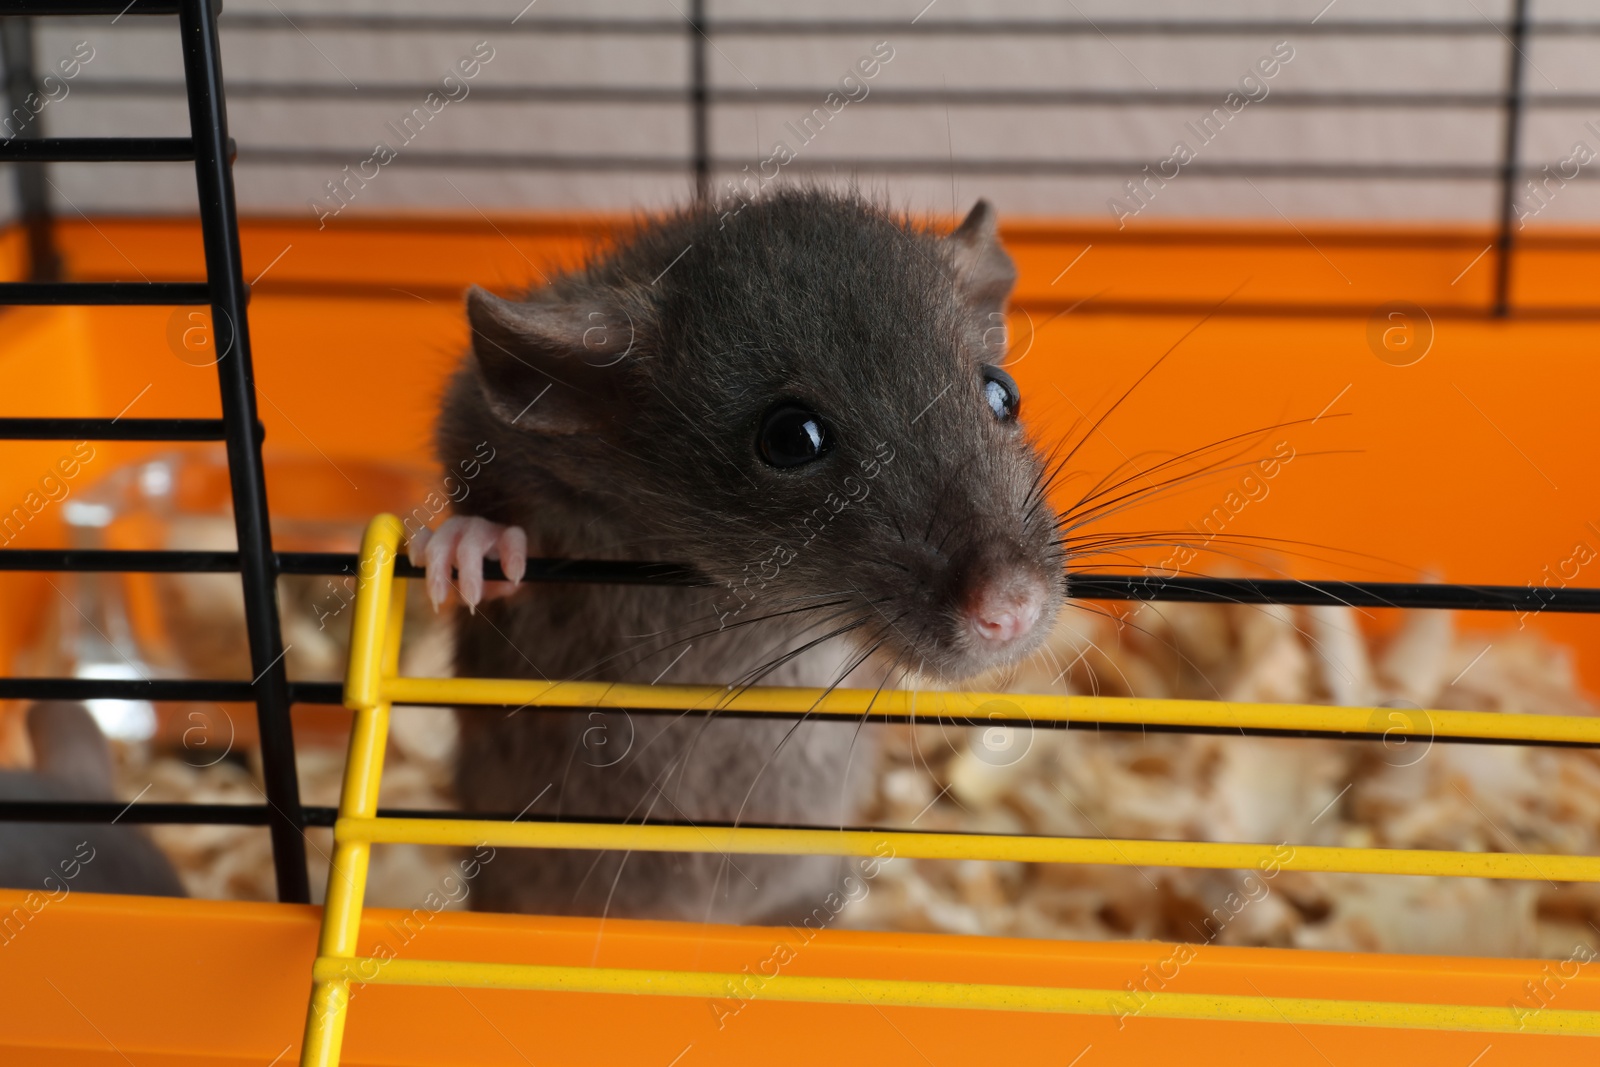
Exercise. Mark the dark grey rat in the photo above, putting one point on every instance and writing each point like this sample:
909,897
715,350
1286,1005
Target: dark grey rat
799,399
73,762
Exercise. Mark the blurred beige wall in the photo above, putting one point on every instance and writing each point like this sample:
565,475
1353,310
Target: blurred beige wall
352,83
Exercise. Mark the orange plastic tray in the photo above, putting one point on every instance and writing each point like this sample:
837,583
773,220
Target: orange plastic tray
103,980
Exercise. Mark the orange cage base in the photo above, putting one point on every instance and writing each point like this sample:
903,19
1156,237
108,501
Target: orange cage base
98,980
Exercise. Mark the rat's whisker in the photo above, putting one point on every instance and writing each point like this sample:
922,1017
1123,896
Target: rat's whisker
839,678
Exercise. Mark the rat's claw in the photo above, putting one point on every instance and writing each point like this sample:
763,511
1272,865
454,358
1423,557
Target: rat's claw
476,541
464,542
437,551
512,549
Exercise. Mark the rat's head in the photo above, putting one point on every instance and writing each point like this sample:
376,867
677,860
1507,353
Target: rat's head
803,400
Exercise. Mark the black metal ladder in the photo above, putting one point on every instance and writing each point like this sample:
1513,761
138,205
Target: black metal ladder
225,292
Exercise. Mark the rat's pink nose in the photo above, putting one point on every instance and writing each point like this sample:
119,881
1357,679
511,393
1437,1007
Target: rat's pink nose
1003,612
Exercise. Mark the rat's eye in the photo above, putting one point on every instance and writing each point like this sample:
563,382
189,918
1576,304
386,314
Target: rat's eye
790,436
1000,391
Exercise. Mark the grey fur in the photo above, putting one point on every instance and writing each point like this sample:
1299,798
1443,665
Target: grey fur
72,762
622,404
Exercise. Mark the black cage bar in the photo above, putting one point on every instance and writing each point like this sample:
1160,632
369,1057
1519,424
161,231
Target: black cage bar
224,291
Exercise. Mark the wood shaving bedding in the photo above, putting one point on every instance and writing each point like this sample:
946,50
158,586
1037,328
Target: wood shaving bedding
1399,794
235,862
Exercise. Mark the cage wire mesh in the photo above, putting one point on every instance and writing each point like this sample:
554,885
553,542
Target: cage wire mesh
1398,112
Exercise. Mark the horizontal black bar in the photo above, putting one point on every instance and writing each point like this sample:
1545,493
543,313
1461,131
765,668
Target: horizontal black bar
167,813
163,689
277,155
187,689
333,289
1022,168
327,693
161,813
168,561
1053,724
145,812
93,293
332,694
88,7
1317,735
1140,587
905,97
1092,306
366,23
1356,594
1134,168
132,561
176,814
118,429
1525,598
586,571
97,149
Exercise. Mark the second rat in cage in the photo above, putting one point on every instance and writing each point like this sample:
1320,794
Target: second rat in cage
72,762
801,401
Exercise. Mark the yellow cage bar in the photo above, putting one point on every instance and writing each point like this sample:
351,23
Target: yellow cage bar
372,686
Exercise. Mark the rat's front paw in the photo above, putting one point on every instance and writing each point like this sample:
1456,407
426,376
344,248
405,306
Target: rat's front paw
465,541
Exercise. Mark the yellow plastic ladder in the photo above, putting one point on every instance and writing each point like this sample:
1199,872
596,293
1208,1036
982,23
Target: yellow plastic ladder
372,684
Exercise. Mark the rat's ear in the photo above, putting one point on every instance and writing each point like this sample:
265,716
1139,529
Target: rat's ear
984,273
548,366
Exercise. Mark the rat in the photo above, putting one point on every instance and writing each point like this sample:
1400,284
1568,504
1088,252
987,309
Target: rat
73,762
803,401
